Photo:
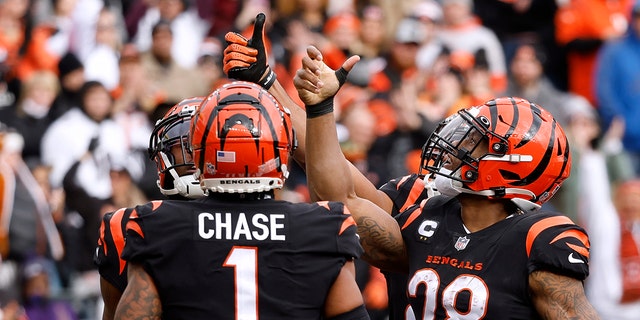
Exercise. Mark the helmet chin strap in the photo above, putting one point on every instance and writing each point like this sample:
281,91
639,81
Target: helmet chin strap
187,186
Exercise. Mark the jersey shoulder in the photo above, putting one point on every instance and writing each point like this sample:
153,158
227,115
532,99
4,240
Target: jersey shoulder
325,222
110,245
555,243
405,191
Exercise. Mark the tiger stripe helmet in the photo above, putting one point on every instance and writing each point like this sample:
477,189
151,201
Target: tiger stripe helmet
242,139
527,153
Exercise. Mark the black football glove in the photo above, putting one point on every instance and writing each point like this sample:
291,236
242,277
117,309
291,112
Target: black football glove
247,59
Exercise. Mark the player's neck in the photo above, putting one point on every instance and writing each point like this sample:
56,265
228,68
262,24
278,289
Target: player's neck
479,213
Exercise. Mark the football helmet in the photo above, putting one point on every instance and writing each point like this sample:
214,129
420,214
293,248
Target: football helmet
508,148
242,139
175,172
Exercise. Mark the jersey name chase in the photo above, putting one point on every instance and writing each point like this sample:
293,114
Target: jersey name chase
240,226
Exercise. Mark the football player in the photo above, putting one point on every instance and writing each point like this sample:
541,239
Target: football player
246,59
169,149
481,249
239,253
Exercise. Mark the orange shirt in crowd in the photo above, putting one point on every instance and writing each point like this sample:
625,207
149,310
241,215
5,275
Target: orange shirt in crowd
594,19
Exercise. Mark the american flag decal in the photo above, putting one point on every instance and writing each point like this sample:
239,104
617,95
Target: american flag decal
226,156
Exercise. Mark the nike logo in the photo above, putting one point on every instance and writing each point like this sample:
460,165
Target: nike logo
574,260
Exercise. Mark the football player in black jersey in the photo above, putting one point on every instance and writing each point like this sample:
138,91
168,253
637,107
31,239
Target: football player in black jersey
246,59
239,253
481,249
168,148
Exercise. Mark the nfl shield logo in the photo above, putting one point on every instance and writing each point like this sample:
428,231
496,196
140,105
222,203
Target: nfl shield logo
461,243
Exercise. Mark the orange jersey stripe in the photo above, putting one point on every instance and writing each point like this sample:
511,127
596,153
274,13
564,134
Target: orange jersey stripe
115,226
348,222
324,204
581,236
415,192
542,225
156,204
134,226
414,215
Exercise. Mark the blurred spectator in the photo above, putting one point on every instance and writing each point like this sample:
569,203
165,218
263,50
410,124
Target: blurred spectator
463,32
175,81
598,162
39,302
26,212
135,90
627,202
32,115
101,61
341,38
473,71
220,14
525,21
586,197
582,26
49,41
429,13
71,77
84,17
210,63
85,129
617,83
528,80
125,192
15,30
374,42
188,30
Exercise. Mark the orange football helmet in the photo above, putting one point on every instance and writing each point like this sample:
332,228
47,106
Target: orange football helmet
526,157
242,139
172,130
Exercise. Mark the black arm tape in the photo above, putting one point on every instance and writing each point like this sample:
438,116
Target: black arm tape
341,74
269,80
359,313
319,109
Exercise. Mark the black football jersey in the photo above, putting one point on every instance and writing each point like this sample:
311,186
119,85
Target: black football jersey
483,275
253,259
110,245
405,192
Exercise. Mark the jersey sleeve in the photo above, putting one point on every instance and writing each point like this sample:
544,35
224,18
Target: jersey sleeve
330,228
556,244
110,245
137,248
404,192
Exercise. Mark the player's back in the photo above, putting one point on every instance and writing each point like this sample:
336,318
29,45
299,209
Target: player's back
253,259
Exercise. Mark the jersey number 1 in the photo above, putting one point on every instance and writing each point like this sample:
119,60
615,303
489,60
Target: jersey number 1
244,261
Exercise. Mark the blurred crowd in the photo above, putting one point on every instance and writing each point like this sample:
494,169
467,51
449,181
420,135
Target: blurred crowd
83,81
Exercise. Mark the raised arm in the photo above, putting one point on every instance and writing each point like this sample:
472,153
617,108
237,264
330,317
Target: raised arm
246,59
328,171
559,297
140,300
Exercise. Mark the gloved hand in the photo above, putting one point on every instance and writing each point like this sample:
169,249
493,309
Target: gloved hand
247,59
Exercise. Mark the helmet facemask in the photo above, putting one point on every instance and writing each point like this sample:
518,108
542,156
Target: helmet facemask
169,148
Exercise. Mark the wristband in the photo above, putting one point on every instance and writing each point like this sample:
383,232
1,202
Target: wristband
319,109
269,80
